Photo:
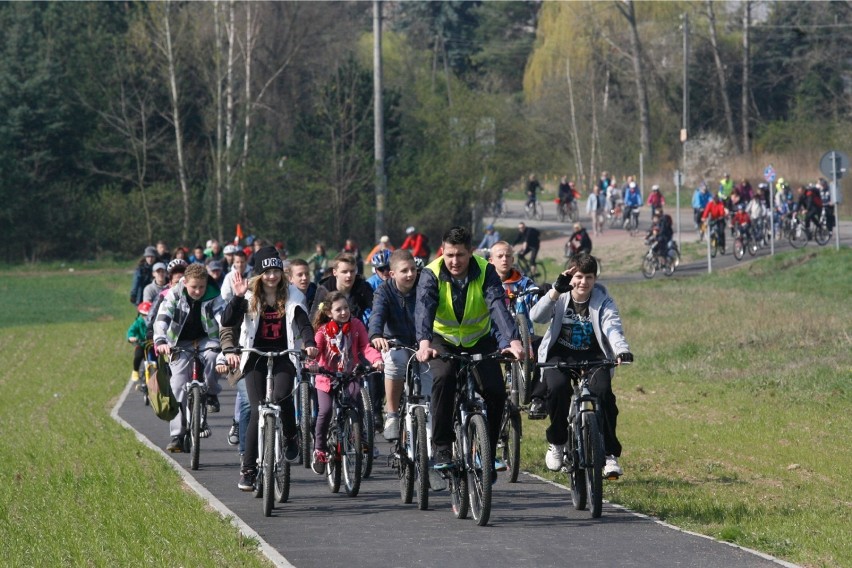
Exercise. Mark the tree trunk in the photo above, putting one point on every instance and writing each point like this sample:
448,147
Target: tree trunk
229,101
628,10
218,150
746,77
578,159
250,39
720,73
378,120
595,140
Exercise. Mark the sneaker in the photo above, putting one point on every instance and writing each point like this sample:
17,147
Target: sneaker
437,482
175,445
291,449
320,458
500,465
212,403
134,376
204,431
553,458
612,470
391,428
443,459
376,451
234,434
536,411
247,479
493,476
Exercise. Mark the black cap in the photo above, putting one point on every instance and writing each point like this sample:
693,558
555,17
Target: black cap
267,258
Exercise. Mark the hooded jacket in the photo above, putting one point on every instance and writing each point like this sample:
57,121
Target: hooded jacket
174,309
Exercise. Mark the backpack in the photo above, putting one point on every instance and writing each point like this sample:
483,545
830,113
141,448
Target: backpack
163,401
425,244
816,198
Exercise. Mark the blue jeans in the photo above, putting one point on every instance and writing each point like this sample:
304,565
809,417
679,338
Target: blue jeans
242,412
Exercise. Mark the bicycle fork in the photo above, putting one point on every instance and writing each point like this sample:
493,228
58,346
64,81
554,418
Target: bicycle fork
265,410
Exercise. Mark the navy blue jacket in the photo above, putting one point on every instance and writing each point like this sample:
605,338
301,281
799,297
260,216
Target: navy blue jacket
393,313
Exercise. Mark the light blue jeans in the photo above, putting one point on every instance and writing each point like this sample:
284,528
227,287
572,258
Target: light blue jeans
242,412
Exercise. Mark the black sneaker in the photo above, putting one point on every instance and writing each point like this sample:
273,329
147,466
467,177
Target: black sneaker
213,403
536,411
234,434
443,458
247,479
291,449
175,445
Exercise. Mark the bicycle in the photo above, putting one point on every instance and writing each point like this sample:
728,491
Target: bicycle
196,404
273,472
411,454
518,310
470,474
509,441
584,452
717,236
567,210
800,234
631,221
744,241
344,438
368,426
306,414
534,209
615,216
668,262
540,272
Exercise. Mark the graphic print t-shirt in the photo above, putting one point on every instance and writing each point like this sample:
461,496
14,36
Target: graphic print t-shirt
271,333
577,338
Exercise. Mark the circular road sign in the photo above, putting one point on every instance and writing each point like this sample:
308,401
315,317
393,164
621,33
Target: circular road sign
769,173
833,162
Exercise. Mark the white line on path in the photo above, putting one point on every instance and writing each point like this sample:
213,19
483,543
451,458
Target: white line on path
268,550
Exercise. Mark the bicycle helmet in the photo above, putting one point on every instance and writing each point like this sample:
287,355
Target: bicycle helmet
144,308
381,259
419,263
655,188
174,264
230,249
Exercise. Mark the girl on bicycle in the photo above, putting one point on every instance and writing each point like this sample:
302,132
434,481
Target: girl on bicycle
136,336
341,341
269,321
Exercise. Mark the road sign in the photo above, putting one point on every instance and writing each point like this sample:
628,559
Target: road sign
769,173
678,178
834,162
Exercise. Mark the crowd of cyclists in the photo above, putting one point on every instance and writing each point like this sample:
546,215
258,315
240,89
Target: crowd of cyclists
455,302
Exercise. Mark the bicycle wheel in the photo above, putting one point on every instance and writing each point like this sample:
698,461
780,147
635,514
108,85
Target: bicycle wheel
195,428
560,213
821,235
267,467
576,474
527,365
714,244
539,210
406,466
332,468
368,431
512,375
672,263
510,441
574,213
421,458
798,236
305,423
281,470
529,211
593,442
739,249
649,267
752,247
479,474
540,272
458,478
351,452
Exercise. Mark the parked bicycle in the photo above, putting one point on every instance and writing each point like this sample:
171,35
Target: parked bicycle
584,453
668,261
273,472
196,404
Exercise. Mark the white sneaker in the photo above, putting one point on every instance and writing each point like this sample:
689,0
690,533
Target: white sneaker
553,457
612,470
391,431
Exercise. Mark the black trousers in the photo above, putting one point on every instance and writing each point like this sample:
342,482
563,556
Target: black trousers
492,389
283,373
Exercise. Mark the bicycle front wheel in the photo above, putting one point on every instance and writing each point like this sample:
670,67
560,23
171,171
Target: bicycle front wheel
479,472
821,235
195,428
527,365
368,431
539,210
739,249
649,267
281,470
576,474
406,466
305,423
798,236
421,459
351,452
511,441
458,478
593,442
560,213
332,468
268,465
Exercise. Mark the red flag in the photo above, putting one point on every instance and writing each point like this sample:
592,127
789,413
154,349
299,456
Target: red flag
239,236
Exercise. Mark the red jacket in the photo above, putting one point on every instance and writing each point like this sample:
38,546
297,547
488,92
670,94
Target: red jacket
714,210
414,243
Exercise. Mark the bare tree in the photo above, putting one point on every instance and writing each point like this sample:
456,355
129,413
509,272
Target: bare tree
628,10
746,77
720,74
578,158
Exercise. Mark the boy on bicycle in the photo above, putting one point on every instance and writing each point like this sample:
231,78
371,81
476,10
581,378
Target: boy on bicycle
189,316
459,298
584,325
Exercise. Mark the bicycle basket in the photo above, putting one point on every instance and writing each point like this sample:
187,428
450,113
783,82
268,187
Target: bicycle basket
163,402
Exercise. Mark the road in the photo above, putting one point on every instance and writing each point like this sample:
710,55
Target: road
532,521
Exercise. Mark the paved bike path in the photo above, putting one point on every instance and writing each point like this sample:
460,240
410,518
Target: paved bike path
532,522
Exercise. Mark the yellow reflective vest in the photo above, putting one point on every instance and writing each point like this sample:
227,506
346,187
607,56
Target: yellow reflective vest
476,321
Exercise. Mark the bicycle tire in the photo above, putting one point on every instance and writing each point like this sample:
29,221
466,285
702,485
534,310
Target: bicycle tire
739,249
593,440
649,267
671,264
752,247
560,213
195,429
479,474
512,442
458,478
406,466
305,426
527,365
421,459
714,245
574,212
281,469
513,375
267,468
332,468
539,211
798,236
368,431
351,452
528,212
822,235
576,474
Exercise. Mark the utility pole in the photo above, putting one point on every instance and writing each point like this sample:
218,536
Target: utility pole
684,132
378,121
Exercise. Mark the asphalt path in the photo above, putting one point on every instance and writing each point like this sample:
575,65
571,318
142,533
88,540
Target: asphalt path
532,522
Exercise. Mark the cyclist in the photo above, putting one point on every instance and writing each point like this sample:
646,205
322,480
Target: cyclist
656,200
381,268
714,214
136,335
238,266
584,325
393,318
269,319
632,201
416,243
153,289
459,299
341,340
810,201
566,193
299,273
756,211
163,253
700,199
825,193
726,186
491,237
350,247
143,275
532,187
383,244
579,241
319,262
531,239
189,315
344,279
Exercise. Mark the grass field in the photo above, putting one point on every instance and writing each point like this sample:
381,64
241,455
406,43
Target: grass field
735,419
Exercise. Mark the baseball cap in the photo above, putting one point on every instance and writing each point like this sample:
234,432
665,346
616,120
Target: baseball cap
229,249
215,265
150,251
159,266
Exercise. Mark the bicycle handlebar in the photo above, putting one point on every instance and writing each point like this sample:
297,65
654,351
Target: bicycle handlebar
298,352
193,350
581,365
476,357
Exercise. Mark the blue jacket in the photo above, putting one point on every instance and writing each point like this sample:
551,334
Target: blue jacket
700,199
393,313
633,198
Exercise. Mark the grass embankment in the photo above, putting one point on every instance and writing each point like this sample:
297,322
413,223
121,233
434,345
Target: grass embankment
736,417
78,489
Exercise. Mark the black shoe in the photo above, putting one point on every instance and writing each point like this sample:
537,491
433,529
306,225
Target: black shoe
175,445
247,479
291,449
493,476
536,411
443,458
212,403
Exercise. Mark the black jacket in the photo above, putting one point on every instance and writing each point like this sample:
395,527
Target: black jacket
360,298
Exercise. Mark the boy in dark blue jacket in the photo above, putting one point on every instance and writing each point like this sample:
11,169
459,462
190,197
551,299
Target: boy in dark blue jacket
393,318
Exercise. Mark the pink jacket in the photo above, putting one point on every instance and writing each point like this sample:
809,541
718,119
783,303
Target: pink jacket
359,344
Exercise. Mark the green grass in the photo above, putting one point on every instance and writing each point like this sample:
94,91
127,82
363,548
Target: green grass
78,489
736,417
